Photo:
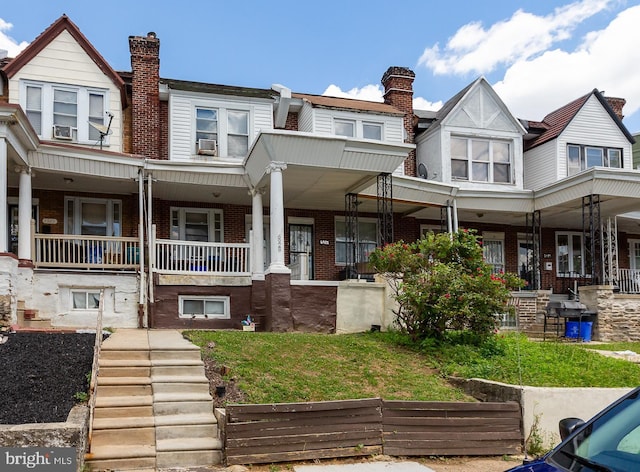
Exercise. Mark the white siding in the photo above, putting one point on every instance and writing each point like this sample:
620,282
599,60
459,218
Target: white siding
63,61
305,118
428,153
393,126
182,130
541,166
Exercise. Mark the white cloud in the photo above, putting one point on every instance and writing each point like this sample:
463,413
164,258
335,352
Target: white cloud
7,43
608,60
375,93
474,49
372,93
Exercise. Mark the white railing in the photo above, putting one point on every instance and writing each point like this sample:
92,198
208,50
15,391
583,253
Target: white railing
74,251
188,256
629,280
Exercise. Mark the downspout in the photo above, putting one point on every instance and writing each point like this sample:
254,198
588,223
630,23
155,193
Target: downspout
143,285
149,233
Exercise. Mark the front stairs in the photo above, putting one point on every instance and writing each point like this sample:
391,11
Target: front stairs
153,407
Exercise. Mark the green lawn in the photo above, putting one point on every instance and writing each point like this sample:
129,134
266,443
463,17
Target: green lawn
293,367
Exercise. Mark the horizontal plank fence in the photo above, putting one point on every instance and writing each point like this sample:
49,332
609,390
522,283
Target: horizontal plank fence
284,432
451,429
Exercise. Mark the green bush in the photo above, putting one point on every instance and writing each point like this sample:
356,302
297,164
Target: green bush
442,283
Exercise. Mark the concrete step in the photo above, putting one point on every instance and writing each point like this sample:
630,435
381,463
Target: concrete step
121,457
183,407
181,387
187,431
123,381
169,420
123,422
167,379
175,459
123,412
123,401
177,370
124,371
122,390
123,437
123,362
180,397
171,354
126,355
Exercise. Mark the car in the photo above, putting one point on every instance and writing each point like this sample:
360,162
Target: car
608,442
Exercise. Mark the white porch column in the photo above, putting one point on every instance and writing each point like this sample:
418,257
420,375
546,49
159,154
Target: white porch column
257,239
4,243
276,222
24,214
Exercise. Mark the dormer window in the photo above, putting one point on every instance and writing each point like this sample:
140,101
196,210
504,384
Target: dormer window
221,132
345,128
481,160
372,131
58,111
581,157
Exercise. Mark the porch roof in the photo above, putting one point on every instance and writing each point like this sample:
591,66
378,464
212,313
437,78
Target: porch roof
321,169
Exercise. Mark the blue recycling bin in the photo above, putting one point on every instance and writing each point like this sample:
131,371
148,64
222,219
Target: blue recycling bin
582,330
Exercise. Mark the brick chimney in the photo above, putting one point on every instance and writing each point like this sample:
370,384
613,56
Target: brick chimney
616,104
145,110
398,92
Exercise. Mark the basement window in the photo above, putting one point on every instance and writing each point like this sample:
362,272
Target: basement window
85,300
204,307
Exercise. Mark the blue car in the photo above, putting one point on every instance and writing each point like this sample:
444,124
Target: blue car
608,442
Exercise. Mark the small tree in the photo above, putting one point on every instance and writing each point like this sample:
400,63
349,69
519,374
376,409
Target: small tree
441,283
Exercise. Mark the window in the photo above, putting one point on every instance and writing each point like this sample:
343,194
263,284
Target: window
345,128
34,108
85,299
570,256
634,254
96,114
493,250
65,108
204,307
358,129
238,133
48,105
93,216
197,224
481,160
581,157
206,124
366,235
372,131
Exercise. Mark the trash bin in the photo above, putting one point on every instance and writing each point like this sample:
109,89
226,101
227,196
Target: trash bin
576,329
571,329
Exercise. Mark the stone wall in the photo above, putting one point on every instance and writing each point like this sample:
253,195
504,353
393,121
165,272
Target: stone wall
618,313
73,433
8,275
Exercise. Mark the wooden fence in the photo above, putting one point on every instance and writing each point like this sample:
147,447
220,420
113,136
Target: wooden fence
322,430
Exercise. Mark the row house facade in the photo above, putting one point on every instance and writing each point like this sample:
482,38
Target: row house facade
188,204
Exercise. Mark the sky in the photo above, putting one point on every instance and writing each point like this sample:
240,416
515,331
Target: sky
538,55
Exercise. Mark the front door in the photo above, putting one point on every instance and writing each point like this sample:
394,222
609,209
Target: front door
13,226
301,251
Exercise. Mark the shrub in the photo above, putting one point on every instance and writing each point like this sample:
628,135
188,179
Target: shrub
442,283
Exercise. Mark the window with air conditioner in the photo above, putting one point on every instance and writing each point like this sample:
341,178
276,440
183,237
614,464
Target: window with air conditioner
63,112
221,132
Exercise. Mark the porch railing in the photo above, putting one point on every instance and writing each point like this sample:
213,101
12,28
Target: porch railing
629,280
74,251
188,256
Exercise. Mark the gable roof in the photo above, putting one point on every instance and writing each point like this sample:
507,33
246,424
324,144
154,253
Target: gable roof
556,122
349,104
37,45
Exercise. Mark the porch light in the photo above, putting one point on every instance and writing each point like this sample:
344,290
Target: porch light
67,180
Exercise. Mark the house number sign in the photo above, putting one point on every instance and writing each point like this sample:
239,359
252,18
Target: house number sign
324,242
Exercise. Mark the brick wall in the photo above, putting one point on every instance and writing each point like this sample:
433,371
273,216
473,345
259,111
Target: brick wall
398,92
292,122
145,100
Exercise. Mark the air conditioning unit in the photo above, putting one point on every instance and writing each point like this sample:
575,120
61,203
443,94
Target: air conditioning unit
62,132
208,147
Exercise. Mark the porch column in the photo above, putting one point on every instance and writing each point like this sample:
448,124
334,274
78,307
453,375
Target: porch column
277,219
24,214
4,243
257,238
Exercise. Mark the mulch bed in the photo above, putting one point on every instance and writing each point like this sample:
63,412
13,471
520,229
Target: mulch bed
41,373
